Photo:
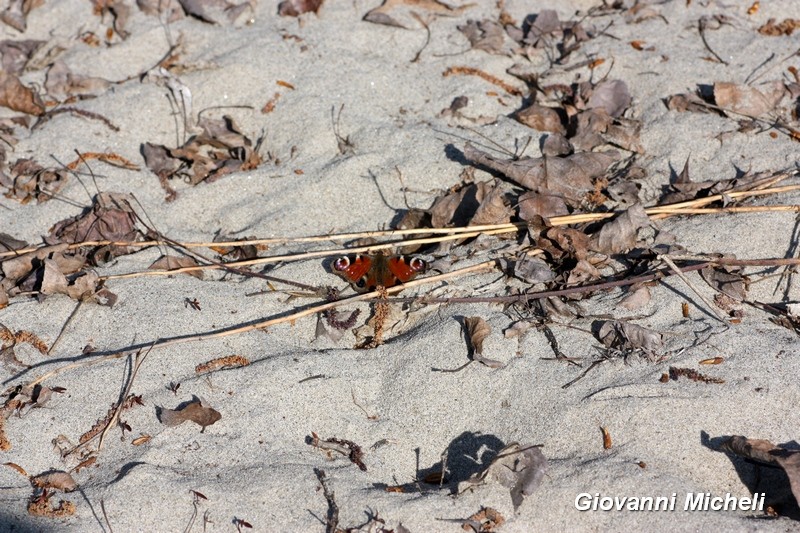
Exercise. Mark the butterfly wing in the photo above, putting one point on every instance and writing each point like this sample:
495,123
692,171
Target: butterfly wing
403,268
355,269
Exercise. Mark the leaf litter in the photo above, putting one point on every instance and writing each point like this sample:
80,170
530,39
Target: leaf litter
583,167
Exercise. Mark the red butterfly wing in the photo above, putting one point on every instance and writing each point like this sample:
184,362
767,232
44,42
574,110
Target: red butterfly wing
353,268
403,268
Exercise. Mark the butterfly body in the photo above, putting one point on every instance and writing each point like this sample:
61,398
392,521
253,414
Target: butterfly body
365,272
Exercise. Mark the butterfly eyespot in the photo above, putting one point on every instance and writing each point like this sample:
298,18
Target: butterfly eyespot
361,283
416,264
342,263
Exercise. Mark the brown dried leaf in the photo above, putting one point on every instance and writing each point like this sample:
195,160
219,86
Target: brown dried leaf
486,35
541,118
570,177
556,145
196,411
620,234
109,218
729,283
612,96
519,468
688,102
61,83
14,95
492,208
31,181
295,8
16,54
9,243
169,262
56,479
16,14
535,204
749,101
477,329
628,336
764,451
448,209
637,296
533,270
385,13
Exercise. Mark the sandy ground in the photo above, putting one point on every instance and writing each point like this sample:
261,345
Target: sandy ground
254,464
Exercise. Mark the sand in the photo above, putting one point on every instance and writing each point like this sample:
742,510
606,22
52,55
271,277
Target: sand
255,464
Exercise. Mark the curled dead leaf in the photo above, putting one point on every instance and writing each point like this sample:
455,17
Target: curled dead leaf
745,100
17,97
765,451
569,177
295,8
628,336
620,234
518,468
56,479
169,262
196,411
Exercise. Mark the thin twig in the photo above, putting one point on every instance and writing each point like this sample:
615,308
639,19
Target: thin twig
139,359
332,522
105,516
717,313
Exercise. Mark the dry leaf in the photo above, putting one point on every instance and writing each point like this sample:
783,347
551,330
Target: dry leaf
477,329
637,296
220,149
386,12
570,177
620,234
541,118
492,208
143,439
612,96
519,468
16,54
31,181
56,479
16,467
628,336
533,270
61,83
16,14
749,100
169,262
110,218
42,506
728,282
196,411
486,35
535,204
764,451
295,8
14,95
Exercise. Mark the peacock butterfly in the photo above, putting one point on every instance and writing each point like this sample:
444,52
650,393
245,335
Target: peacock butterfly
365,272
